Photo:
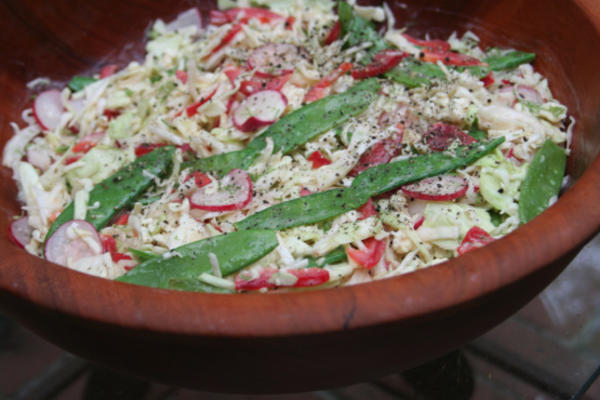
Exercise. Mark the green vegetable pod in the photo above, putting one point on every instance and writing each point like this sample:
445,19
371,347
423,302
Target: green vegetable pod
542,181
120,190
296,128
183,265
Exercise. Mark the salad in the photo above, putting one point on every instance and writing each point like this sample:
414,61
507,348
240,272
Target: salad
285,145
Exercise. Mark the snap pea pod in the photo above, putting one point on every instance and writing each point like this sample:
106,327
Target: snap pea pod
384,177
194,285
359,30
234,251
304,210
412,73
142,255
336,256
477,133
78,82
542,181
296,128
376,180
510,60
121,189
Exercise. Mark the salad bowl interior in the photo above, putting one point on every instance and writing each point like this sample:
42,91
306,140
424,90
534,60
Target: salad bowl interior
312,339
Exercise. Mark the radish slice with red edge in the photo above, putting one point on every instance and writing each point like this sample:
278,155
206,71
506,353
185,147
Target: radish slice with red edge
20,232
234,192
73,241
528,93
186,19
437,188
48,109
274,59
259,109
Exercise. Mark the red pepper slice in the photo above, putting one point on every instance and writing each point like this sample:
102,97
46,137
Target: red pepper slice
367,210
334,33
382,62
110,245
235,29
232,72
440,136
110,113
71,160
488,80
146,148
475,238
108,70
87,142
321,88
369,257
419,222
306,277
193,109
317,159
448,58
182,76
200,178
122,219
435,44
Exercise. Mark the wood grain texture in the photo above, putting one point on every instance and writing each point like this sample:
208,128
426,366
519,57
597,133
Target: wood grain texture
309,340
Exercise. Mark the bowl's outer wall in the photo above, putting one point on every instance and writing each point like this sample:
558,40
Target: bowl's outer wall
305,340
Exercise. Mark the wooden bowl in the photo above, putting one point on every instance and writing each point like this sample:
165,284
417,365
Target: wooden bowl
312,340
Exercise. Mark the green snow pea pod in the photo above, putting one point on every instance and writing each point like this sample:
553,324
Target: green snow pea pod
412,73
304,210
359,30
542,181
510,60
79,82
336,256
384,177
296,128
233,251
194,285
121,189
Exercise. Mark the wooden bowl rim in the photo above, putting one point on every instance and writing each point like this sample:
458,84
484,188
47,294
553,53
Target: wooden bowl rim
387,301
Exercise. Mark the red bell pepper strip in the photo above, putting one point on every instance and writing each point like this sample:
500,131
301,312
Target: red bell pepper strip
110,113
448,58
87,142
488,80
229,36
321,88
146,148
110,245
108,70
122,219
419,222
193,109
182,76
232,72
306,277
382,62
317,159
71,160
370,256
334,33
435,44
475,238
367,210
200,178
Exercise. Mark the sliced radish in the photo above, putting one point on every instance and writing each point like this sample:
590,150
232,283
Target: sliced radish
259,109
440,136
528,93
437,188
47,109
73,241
274,59
185,19
20,232
234,192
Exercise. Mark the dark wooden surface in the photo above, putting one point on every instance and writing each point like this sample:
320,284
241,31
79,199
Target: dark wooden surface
305,340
